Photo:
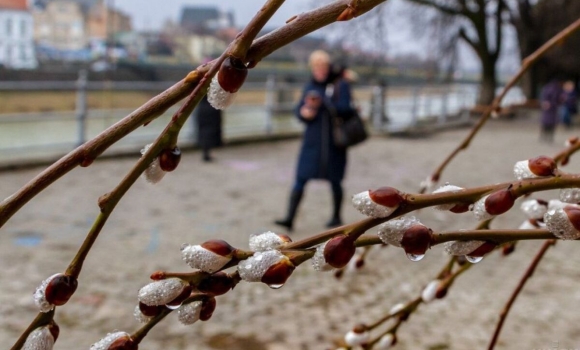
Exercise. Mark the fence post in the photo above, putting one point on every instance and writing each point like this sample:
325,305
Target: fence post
81,106
270,102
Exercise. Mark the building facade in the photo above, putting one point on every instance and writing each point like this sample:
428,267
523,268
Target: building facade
16,35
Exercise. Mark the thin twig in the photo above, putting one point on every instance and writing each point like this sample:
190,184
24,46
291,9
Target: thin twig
529,272
526,64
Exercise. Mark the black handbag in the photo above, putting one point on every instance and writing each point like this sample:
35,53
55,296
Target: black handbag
347,130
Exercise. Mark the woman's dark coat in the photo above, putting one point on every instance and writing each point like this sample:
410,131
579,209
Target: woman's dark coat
209,125
319,158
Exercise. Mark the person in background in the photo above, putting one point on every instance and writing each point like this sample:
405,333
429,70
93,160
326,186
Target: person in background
319,158
550,98
569,103
209,128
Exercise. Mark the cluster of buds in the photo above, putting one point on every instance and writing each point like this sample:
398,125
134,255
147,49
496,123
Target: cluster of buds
116,341
270,267
335,253
564,223
453,207
474,251
378,203
42,338
54,291
494,204
541,166
224,86
209,256
408,233
167,161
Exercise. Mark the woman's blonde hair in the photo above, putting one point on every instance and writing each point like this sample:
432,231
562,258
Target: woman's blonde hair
318,57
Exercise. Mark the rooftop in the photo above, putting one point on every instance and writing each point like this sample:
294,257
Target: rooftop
14,5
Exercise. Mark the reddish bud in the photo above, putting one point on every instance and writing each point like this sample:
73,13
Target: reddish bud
441,292
461,260
360,328
572,140
347,14
339,250
460,208
499,202
542,166
277,274
219,247
207,308
232,74
360,263
387,196
508,249
123,343
158,275
574,216
185,293
150,311
169,159
483,249
417,239
60,289
217,284
338,274
54,330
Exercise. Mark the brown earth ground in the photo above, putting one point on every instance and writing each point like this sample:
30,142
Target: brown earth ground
241,193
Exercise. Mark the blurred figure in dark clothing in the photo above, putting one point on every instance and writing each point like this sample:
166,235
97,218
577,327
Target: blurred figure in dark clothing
550,99
209,127
569,103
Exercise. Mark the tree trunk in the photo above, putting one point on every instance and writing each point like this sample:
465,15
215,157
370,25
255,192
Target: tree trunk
488,82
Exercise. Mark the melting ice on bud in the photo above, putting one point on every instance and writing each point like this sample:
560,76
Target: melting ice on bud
446,188
570,195
391,232
189,313
534,209
367,202
153,174
386,342
530,224
430,292
218,97
41,338
522,170
563,223
480,211
161,292
210,256
55,290
255,267
536,167
117,340
225,84
357,337
459,248
318,261
139,316
268,240
428,183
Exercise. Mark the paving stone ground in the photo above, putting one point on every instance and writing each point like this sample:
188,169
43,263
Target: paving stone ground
240,194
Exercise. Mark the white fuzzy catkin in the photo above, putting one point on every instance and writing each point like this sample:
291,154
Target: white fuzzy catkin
153,174
396,308
430,292
40,296
533,209
39,339
266,241
318,262
218,97
479,210
364,204
391,232
446,188
139,315
253,268
570,195
198,257
522,170
161,292
558,223
459,248
385,342
527,225
109,339
353,338
189,313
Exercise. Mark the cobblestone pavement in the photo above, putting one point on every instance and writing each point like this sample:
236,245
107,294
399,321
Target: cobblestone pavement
241,193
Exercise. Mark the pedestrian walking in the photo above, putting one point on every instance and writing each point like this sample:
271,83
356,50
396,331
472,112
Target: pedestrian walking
550,99
325,97
209,128
569,103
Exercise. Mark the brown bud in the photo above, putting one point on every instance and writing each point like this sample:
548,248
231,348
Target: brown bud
483,249
277,274
217,284
219,247
185,293
207,308
285,238
339,250
360,328
158,275
441,292
232,74
573,215
338,274
460,208
54,330
87,161
417,239
542,166
60,289
360,263
461,260
348,14
572,140
387,196
499,202
150,311
123,343
169,159
565,160
508,249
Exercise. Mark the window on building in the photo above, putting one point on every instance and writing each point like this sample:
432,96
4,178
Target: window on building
23,55
9,27
23,28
